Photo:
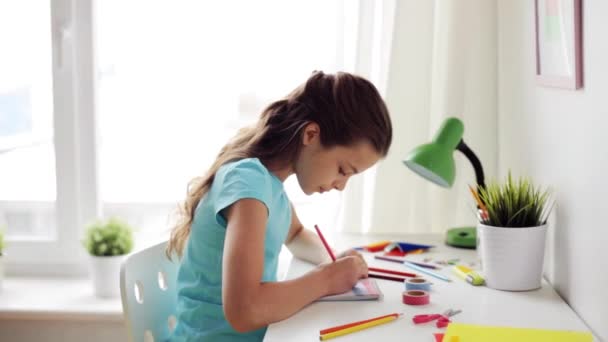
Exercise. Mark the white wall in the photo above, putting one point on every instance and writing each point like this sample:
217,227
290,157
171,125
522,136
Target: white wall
558,138
442,63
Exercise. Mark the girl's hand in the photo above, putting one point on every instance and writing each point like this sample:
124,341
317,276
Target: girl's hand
350,252
344,273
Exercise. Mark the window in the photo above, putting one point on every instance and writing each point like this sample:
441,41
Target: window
46,176
27,156
114,116
178,79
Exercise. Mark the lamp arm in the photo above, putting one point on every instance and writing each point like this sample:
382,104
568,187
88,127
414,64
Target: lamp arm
462,147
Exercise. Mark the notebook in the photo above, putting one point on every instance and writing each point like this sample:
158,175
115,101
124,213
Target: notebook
364,289
480,333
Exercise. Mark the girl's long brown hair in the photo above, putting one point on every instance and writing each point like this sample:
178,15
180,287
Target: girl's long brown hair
347,108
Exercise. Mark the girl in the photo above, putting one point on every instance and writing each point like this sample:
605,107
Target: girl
236,218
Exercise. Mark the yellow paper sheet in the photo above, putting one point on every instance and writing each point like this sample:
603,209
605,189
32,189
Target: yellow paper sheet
481,333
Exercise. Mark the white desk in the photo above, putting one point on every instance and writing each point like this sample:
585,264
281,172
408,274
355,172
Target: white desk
542,308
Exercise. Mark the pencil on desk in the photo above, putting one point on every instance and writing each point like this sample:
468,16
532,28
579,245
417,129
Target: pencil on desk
382,270
344,326
426,271
379,257
423,265
385,277
358,327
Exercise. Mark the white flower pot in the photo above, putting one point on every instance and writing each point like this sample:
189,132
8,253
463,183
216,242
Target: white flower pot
105,272
511,258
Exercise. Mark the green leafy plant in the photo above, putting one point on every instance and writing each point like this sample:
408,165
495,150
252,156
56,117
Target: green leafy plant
113,237
515,203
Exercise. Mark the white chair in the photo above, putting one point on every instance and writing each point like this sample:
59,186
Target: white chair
149,295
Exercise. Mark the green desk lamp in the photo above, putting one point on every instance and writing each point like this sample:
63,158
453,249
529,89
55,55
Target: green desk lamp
435,162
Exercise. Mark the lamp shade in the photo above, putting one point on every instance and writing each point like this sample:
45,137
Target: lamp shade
435,160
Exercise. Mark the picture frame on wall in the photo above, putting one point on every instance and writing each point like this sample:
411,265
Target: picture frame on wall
559,55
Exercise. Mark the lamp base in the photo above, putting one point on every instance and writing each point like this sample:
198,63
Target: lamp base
463,237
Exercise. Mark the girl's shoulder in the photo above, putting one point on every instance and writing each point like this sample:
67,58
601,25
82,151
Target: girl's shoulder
248,169
243,164
245,176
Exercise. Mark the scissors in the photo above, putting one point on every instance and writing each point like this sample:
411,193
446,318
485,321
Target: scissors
442,319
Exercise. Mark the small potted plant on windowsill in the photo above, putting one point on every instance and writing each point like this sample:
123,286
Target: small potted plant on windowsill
511,233
107,243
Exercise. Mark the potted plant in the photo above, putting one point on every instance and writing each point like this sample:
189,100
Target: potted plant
511,233
107,243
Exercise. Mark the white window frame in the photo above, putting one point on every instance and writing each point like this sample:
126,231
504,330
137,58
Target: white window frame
75,136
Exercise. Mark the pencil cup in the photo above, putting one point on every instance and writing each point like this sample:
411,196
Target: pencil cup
512,258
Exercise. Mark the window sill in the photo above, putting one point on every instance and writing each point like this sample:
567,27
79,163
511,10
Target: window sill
68,298
71,299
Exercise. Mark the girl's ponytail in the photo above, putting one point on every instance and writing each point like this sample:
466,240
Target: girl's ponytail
347,108
239,147
198,187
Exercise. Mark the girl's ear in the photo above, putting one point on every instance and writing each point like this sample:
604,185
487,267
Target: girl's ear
311,133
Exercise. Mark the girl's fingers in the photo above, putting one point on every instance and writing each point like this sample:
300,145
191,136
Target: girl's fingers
350,252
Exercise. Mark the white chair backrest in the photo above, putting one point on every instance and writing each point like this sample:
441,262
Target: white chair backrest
148,293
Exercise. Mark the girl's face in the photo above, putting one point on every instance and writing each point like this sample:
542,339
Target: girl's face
321,169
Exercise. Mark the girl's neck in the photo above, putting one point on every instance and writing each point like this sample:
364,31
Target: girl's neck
281,170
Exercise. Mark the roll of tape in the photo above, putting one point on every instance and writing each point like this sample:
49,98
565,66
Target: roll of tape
416,297
417,284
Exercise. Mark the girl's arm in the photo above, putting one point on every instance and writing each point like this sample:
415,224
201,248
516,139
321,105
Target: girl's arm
305,244
250,304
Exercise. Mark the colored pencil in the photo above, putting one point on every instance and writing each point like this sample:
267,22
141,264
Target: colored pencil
380,276
480,205
388,259
423,265
402,260
344,326
357,328
382,270
331,254
426,271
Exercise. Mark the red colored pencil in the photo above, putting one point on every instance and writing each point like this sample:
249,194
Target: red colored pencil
344,326
382,270
379,276
331,254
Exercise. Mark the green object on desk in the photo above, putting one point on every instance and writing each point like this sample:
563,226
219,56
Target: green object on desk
434,161
475,279
464,237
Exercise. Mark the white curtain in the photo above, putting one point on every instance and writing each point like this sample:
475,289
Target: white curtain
442,63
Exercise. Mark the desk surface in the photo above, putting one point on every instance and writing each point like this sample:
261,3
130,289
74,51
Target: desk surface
542,308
